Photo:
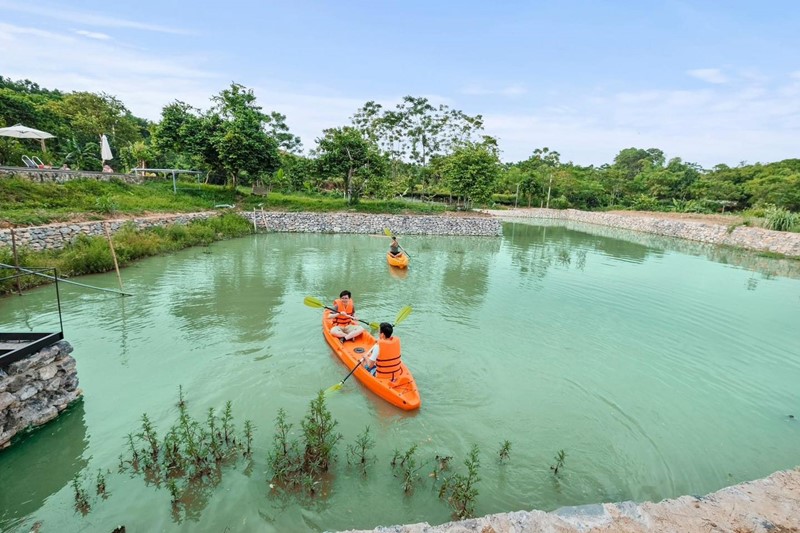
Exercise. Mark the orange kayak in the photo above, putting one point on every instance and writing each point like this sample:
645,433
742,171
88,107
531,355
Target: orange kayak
400,261
402,392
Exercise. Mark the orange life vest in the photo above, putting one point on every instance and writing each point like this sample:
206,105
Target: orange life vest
341,307
389,357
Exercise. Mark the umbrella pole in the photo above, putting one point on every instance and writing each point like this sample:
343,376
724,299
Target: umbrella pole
44,148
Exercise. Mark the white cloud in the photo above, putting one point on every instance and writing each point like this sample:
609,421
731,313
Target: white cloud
710,75
143,82
706,127
87,19
93,35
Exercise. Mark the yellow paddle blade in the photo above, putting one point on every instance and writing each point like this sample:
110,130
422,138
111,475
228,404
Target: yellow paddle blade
403,314
387,232
334,388
313,302
374,325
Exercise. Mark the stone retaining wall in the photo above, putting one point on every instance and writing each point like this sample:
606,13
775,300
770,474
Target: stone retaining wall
45,175
759,239
35,389
372,224
56,236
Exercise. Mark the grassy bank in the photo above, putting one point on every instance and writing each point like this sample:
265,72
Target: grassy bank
89,255
24,203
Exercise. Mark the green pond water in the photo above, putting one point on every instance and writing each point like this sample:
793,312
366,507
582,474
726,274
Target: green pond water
661,369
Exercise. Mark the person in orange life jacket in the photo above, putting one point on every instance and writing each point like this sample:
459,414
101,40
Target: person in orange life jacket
386,352
394,248
345,325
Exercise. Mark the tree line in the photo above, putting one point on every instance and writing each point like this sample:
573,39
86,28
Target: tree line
415,150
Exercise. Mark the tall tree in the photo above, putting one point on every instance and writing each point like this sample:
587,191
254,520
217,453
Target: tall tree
240,138
416,130
230,139
471,171
344,153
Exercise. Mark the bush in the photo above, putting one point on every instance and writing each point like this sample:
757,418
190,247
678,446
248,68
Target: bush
780,219
86,255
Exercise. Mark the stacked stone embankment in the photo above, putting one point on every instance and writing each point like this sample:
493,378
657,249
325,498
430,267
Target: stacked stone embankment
35,389
372,224
750,238
56,236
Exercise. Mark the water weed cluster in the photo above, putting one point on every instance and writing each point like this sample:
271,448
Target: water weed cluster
300,463
189,459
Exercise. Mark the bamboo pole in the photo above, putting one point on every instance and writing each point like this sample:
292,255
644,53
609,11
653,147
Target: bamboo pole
62,280
255,225
113,254
16,258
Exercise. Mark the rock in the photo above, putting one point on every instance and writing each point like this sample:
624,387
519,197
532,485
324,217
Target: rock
6,399
29,391
48,372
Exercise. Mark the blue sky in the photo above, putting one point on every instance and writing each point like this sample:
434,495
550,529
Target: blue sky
709,81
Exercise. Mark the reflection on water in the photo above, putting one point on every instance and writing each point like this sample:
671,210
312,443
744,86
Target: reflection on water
621,243
40,464
550,337
398,273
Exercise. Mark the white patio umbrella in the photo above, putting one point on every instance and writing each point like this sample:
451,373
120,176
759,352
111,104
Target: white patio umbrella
105,149
24,132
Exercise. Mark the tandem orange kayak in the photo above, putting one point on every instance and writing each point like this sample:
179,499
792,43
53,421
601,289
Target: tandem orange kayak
401,392
400,261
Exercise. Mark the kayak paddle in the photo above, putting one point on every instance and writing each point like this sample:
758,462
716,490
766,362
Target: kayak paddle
315,302
402,315
389,234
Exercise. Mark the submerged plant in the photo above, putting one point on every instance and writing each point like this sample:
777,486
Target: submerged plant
81,496
560,456
505,450
407,465
442,463
101,484
459,489
188,459
358,452
319,436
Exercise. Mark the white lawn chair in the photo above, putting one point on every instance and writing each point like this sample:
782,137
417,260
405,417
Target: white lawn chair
29,162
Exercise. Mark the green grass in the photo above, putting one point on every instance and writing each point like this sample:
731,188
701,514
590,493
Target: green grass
88,255
23,202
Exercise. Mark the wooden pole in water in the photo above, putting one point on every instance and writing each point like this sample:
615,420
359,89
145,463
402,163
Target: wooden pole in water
113,254
16,259
62,280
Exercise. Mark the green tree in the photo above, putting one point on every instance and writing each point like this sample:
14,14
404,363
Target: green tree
471,171
781,188
229,140
91,115
632,161
416,131
345,154
240,138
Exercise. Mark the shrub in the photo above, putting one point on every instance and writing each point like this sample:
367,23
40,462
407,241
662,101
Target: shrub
780,219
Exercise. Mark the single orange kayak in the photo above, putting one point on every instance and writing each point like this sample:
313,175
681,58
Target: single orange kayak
402,392
400,261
